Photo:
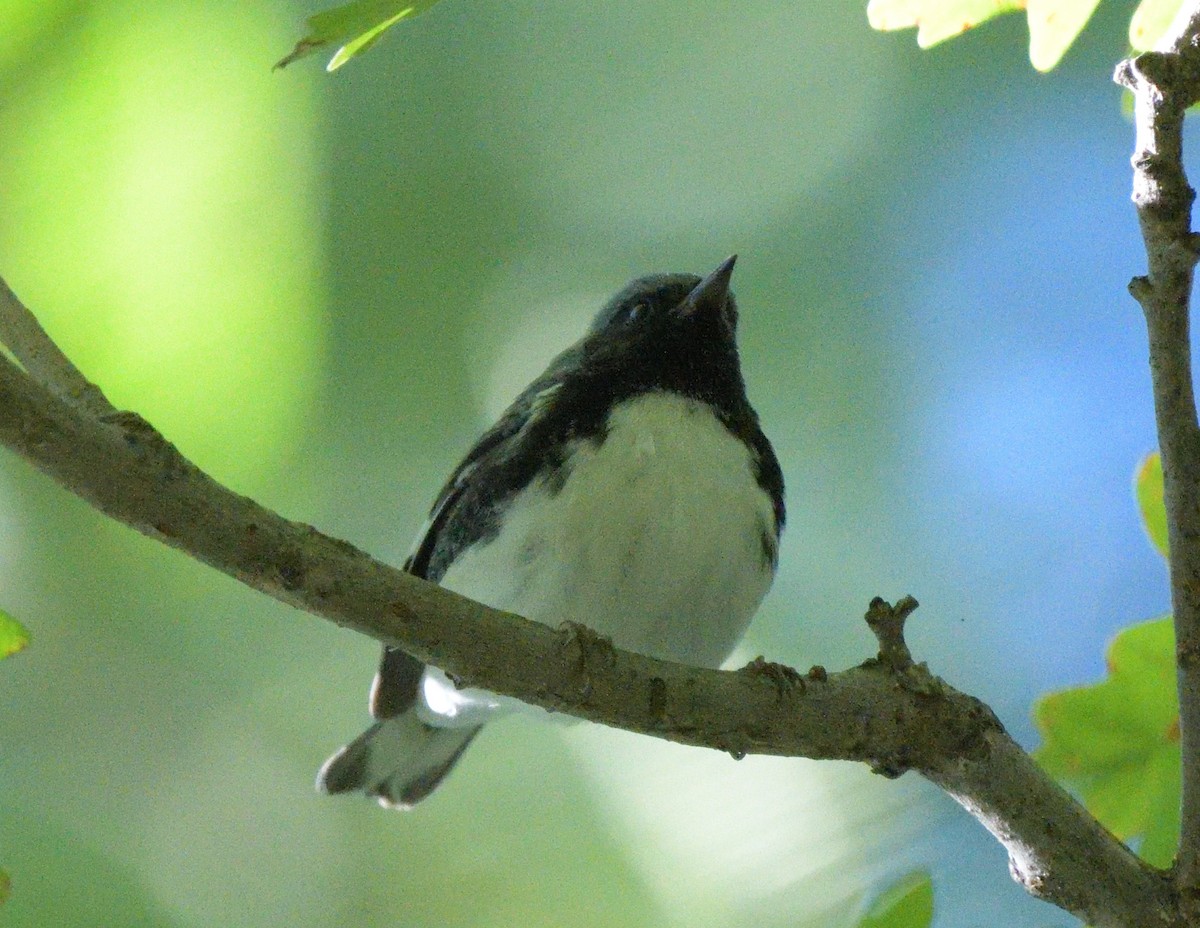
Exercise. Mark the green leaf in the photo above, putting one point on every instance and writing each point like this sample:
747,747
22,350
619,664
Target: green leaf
1148,488
13,635
906,904
1150,21
5,886
936,20
1117,742
1053,24
354,26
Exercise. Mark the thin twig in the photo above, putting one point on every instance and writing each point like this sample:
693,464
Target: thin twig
24,336
1165,83
892,720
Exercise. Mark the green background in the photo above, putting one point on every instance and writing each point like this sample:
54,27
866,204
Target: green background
322,287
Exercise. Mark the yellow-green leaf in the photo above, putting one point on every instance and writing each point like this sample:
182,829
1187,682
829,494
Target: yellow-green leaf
1148,488
1117,741
1053,26
353,26
13,635
936,20
906,904
366,40
1150,21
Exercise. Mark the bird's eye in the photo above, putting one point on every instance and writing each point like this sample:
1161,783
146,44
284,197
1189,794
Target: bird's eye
636,312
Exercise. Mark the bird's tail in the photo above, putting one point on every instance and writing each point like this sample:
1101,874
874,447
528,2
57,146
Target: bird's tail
398,761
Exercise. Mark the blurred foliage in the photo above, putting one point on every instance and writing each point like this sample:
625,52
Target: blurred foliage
1150,20
936,20
322,290
355,26
13,635
13,638
906,904
1117,741
64,880
1148,488
190,194
1053,24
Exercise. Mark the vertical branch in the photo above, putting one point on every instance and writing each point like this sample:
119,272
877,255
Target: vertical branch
1165,83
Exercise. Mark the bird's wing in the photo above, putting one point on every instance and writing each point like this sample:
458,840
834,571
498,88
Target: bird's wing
397,682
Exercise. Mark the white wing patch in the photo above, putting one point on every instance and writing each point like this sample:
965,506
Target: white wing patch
539,402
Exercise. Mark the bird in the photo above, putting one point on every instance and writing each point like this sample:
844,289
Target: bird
629,489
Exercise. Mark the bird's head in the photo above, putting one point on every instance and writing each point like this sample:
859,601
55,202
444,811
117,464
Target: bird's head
671,305
673,332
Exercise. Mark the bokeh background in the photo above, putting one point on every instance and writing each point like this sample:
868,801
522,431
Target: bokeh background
323,286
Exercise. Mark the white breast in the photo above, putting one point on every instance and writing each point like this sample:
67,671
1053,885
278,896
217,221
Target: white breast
655,540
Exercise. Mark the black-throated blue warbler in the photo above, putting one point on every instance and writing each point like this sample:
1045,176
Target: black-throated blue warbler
629,488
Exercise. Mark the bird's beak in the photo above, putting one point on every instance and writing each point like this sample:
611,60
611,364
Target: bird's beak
710,295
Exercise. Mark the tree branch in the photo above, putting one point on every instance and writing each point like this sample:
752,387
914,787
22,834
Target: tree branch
42,358
1165,82
889,712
